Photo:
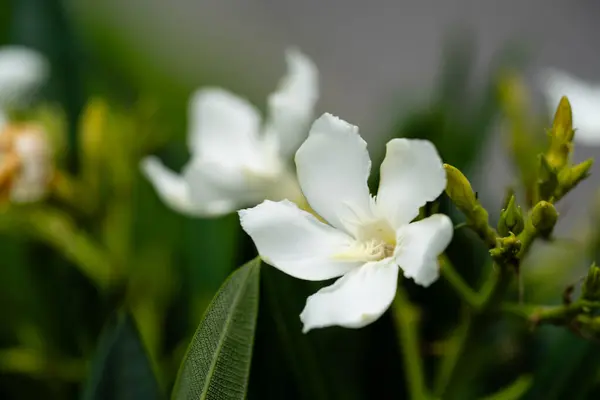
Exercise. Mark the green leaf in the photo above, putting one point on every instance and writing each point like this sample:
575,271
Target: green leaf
121,369
567,368
217,363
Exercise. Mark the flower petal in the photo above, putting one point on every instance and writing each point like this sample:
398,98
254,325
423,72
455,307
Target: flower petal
296,242
174,191
333,166
211,180
585,102
419,245
412,174
222,126
291,106
357,299
23,71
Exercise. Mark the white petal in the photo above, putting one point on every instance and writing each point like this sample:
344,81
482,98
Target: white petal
222,127
355,300
585,102
333,166
22,72
295,242
291,107
418,246
209,181
174,191
412,174
34,176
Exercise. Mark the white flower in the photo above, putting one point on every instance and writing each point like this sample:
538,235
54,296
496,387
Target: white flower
22,72
26,162
236,162
585,102
366,239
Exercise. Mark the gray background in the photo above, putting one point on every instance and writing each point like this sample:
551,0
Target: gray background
366,51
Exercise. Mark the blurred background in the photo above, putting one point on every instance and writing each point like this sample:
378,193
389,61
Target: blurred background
395,68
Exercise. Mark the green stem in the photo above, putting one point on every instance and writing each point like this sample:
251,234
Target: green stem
452,354
558,315
468,295
526,238
56,229
406,318
451,377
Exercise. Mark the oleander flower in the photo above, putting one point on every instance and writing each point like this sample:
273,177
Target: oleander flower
365,240
584,98
236,160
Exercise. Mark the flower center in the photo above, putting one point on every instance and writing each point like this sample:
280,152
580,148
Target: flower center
375,241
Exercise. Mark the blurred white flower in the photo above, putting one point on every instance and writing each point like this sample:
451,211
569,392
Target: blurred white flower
23,71
26,167
585,102
366,239
236,161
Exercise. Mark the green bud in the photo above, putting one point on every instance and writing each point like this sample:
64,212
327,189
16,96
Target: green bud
543,218
93,127
561,135
591,285
459,190
570,177
510,192
562,126
511,219
507,248
547,178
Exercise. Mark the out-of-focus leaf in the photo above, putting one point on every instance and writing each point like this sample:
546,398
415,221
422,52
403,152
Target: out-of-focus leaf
217,363
568,368
326,363
121,369
282,351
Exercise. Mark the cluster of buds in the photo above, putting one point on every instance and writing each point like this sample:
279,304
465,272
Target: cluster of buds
25,163
511,225
557,175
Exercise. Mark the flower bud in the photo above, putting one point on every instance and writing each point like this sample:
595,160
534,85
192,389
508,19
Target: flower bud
570,177
591,284
511,219
459,190
561,136
562,127
543,218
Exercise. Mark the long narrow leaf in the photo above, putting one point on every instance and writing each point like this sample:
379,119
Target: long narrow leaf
217,363
121,368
